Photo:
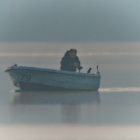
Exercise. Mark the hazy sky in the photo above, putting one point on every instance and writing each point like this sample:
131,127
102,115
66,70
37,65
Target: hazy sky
69,20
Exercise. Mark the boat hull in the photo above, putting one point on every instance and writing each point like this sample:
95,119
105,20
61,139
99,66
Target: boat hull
31,78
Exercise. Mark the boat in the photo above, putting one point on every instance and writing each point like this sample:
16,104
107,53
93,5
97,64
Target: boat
36,78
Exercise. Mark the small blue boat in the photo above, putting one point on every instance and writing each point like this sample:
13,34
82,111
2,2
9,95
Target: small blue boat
35,78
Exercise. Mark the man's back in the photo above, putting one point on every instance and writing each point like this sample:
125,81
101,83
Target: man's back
70,62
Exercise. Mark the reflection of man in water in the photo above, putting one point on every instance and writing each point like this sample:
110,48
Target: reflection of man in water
70,61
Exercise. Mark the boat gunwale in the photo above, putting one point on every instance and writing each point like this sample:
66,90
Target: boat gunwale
52,70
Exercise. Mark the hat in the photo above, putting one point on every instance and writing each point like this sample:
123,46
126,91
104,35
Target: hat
73,50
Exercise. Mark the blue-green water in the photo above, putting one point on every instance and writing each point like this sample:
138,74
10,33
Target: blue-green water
115,106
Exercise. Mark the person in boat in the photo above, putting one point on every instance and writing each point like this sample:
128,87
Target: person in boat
70,61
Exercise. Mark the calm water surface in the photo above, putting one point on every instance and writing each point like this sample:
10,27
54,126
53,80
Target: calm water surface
112,113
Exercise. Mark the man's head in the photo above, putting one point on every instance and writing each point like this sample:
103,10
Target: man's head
73,52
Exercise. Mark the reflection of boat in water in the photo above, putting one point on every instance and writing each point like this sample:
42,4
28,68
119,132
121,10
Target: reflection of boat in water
59,97
54,107
31,78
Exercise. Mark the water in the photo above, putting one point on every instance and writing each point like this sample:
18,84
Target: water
112,113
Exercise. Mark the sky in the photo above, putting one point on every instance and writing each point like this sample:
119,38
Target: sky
69,20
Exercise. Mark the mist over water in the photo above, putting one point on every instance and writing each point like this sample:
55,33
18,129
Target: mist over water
115,107
105,33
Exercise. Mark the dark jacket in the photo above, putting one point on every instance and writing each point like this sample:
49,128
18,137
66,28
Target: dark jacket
67,62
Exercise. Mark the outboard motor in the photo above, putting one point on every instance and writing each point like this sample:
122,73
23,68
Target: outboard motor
98,72
89,70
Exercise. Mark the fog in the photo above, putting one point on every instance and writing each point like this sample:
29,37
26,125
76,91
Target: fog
69,20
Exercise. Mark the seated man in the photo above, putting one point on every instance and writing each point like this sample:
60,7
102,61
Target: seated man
70,61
